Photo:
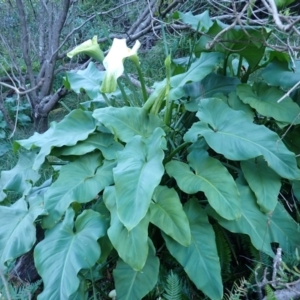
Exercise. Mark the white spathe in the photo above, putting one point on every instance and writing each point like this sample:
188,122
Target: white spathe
90,48
113,63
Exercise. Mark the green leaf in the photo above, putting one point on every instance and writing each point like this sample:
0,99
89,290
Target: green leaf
296,189
76,126
292,141
166,213
222,130
134,285
236,103
88,80
138,173
233,41
79,181
63,253
20,178
263,181
279,73
17,229
101,141
200,259
127,122
283,3
263,99
263,229
197,71
211,177
132,246
211,85
4,147
201,22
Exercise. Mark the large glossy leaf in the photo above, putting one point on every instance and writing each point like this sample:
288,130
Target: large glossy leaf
79,181
211,177
127,122
296,189
76,126
166,213
292,141
279,73
88,80
65,251
17,229
263,99
132,246
263,181
236,103
263,229
201,67
134,285
20,178
201,22
208,87
233,41
230,133
137,174
200,259
102,141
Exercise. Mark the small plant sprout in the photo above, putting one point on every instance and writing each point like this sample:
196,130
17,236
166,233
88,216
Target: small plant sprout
90,48
113,63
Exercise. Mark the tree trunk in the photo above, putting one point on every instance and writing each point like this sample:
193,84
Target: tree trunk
40,123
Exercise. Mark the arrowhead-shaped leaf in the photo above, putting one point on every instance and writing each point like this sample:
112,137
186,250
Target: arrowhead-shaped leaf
296,189
211,177
279,73
127,122
63,253
234,41
263,99
102,141
197,71
201,22
263,181
132,246
236,103
17,229
211,85
166,212
21,178
222,130
263,229
137,174
76,126
131,284
200,259
88,80
79,181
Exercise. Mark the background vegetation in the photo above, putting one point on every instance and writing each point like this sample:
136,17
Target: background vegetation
181,184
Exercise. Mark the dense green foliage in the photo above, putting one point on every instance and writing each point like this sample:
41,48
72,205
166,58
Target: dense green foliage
142,180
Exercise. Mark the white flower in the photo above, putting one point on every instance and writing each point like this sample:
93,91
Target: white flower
112,294
113,63
90,48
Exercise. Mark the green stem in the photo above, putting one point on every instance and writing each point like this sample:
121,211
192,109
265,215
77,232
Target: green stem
133,89
225,65
65,106
240,66
175,151
124,95
168,113
106,99
142,81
